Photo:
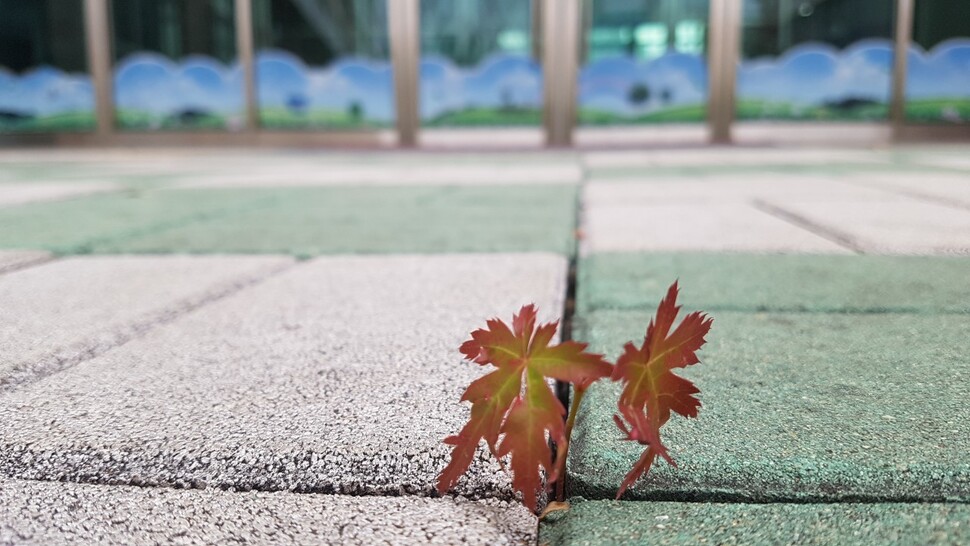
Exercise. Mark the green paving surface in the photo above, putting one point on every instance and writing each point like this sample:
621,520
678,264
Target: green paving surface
301,221
777,283
603,523
797,407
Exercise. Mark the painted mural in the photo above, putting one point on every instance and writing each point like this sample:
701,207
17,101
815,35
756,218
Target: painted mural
502,90
45,99
938,83
352,92
624,90
153,92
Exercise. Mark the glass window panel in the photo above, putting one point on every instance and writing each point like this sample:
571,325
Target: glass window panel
938,67
323,64
815,60
479,64
175,65
44,79
644,62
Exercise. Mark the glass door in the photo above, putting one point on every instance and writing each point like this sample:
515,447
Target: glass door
175,65
815,60
643,63
938,66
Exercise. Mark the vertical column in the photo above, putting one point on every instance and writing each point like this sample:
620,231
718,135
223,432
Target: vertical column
97,36
560,57
723,51
903,37
247,60
403,19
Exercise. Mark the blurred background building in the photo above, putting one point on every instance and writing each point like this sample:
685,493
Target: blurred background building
401,72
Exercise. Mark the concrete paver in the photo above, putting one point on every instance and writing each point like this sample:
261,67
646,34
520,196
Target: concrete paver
730,156
899,226
720,188
798,407
19,193
752,282
340,375
948,188
312,221
60,513
11,260
57,314
692,226
401,175
602,523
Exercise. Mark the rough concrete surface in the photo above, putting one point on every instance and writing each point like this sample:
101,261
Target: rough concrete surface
900,226
603,523
806,407
752,282
44,513
312,221
341,375
729,156
11,260
720,188
21,193
55,315
401,175
692,226
944,188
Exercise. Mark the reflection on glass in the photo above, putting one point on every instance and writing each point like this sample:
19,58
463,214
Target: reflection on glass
175,65
815,59
323,64
644,62
44,85
479,66
938,71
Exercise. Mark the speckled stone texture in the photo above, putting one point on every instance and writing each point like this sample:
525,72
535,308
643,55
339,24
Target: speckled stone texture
797,407
340,375
11,260
43,513
54,315
751,282
607,523
730,156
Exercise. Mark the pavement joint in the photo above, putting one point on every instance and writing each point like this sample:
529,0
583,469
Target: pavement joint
797,220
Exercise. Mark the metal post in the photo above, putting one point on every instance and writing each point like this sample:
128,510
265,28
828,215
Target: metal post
723,53
903,37
97,30
560,57
247,60
403,22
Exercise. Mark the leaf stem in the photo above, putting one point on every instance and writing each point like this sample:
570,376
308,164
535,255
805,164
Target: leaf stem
564,449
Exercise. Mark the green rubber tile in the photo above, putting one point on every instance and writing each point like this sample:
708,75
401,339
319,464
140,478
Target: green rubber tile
797,407
606,523
311,221
78,225
749,282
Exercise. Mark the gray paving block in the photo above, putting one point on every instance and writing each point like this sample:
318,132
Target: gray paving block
394,175
12,194
719,188
898,226
66,513
341,375
945,188
11,260
602,523
694,226
752,282
803,407
730,156
55,315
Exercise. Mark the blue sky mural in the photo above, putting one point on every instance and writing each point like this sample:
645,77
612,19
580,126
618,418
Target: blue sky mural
44,92
154,86
498,82
671,80
283,81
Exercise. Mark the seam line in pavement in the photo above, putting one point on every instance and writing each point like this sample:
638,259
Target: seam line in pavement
797,220
26,264
912,194
31,371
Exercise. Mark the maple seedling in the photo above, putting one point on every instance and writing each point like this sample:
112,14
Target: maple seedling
515,411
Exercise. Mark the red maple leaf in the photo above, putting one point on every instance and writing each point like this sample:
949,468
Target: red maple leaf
650,390
513,408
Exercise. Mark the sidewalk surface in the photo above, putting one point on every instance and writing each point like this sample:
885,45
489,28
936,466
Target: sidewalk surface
261,346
